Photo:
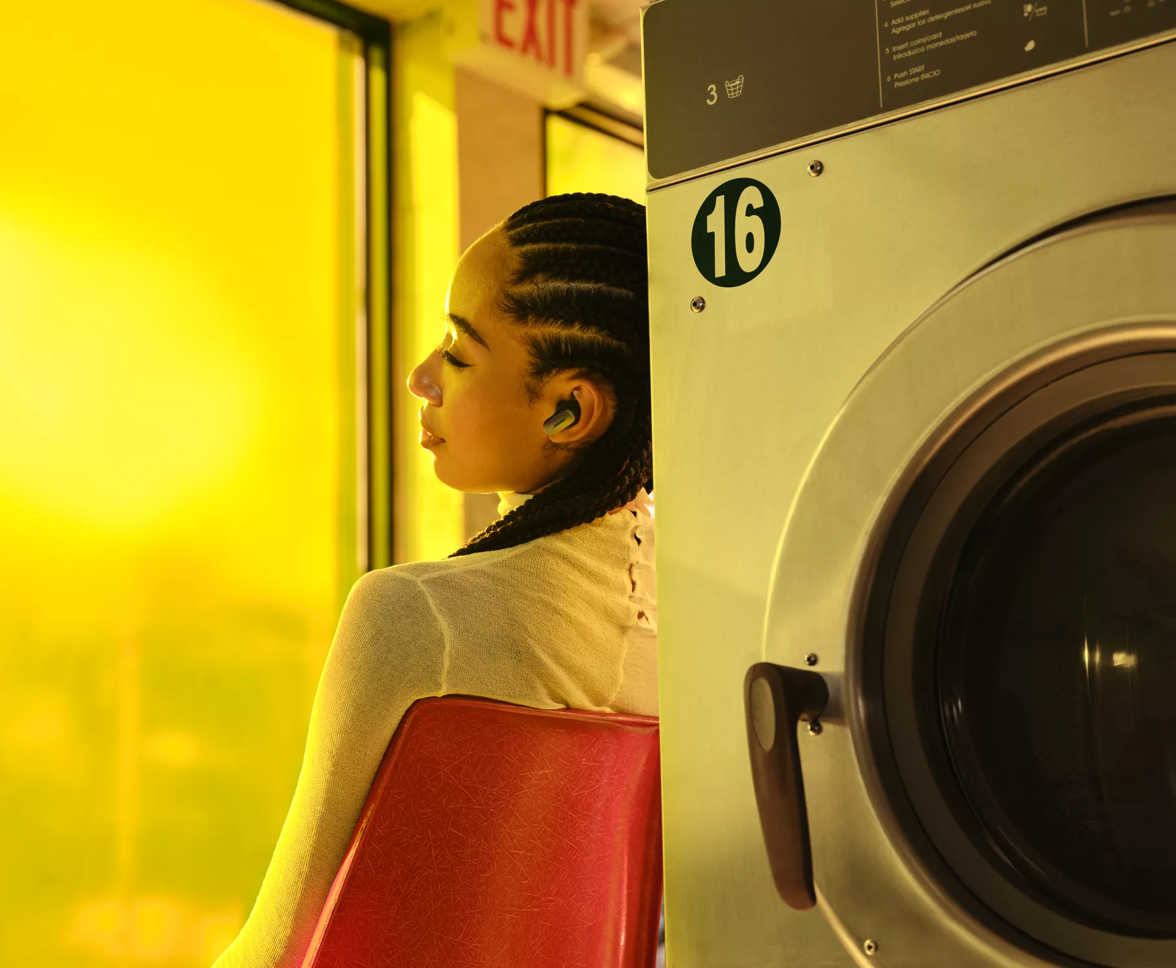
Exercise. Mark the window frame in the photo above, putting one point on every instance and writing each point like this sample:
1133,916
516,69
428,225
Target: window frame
375,36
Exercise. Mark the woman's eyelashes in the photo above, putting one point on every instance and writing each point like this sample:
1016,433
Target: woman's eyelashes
450,358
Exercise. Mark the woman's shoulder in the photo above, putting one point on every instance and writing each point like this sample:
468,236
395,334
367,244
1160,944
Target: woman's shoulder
545,622
584,563
381,585
385,602
605,539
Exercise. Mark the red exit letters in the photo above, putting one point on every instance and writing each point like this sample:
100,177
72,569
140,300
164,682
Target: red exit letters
544,30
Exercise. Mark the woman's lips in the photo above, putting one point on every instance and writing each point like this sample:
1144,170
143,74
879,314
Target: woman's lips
430,440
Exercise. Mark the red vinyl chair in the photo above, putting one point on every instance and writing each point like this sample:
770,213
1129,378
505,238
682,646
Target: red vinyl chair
498,836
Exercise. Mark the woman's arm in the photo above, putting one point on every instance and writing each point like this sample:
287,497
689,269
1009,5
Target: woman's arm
387,653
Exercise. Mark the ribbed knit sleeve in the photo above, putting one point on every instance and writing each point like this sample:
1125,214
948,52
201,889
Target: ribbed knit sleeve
388,652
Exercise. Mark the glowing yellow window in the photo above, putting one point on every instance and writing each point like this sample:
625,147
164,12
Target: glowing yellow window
584,159
183,473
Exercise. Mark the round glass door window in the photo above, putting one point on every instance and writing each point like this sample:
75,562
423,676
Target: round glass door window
1057,675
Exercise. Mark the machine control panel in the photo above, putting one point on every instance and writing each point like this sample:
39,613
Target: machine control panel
723,79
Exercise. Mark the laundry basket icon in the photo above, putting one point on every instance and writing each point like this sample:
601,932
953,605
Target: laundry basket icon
735,87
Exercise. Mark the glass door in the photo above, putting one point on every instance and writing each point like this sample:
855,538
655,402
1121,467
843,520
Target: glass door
192,458
1057,672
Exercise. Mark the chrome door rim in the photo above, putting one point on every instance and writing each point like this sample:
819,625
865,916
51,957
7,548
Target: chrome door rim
1140,373
1022,323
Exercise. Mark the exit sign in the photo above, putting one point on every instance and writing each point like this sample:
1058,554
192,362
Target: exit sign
537,47
546,33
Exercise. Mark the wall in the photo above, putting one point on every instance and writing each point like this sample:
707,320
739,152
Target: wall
500,166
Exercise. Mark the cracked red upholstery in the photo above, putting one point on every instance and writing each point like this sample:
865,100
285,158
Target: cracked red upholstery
498,835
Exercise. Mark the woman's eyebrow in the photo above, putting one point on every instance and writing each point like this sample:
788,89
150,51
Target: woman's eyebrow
460,322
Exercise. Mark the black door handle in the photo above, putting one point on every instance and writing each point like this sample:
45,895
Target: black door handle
776,698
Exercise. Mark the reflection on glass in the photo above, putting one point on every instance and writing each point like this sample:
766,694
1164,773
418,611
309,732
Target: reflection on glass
1058,675
177,452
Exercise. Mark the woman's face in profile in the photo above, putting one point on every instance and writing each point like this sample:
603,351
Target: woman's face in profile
478,420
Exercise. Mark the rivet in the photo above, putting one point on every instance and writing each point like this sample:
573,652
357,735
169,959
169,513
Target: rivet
815,168
815,728
697,304
870,947
810,659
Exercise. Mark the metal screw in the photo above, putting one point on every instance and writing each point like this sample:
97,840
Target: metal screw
870,947
815,728
810,659
815,168
697,304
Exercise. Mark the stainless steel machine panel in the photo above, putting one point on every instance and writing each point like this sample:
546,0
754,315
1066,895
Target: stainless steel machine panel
877,227
725,80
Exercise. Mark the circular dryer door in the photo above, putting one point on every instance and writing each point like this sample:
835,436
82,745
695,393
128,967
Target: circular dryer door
982,562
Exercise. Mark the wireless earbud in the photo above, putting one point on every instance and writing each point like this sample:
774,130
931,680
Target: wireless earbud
566,414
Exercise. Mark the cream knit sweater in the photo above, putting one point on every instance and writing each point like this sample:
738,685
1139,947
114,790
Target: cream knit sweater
565,620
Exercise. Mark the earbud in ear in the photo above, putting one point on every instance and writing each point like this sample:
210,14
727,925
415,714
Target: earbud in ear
566,414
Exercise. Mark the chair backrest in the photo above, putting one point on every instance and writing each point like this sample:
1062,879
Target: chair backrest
498,835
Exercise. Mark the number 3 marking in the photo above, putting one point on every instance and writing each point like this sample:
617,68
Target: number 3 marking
714,95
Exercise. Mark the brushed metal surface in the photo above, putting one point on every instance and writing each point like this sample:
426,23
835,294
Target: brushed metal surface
745,393
1112,284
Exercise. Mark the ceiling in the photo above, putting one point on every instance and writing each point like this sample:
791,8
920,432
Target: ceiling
613,71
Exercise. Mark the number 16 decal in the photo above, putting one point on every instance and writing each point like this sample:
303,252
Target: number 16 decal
736,232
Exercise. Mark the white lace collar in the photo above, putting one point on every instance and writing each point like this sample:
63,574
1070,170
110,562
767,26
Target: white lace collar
509,500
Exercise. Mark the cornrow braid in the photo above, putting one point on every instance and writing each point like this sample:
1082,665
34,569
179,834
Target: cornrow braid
595,308
557,208
586,263
580,291
588,230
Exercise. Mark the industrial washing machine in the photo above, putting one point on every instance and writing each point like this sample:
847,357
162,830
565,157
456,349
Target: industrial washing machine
913,296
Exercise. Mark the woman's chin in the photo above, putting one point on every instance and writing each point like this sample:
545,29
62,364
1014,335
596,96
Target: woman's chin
444,470
467,483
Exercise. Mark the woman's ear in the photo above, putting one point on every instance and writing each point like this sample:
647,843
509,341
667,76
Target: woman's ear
595,404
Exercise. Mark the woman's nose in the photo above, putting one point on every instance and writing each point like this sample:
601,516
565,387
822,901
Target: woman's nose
422,381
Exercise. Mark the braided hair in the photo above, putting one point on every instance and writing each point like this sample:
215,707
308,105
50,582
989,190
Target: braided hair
580,292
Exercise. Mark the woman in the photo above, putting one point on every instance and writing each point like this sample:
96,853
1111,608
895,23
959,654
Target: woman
540,391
